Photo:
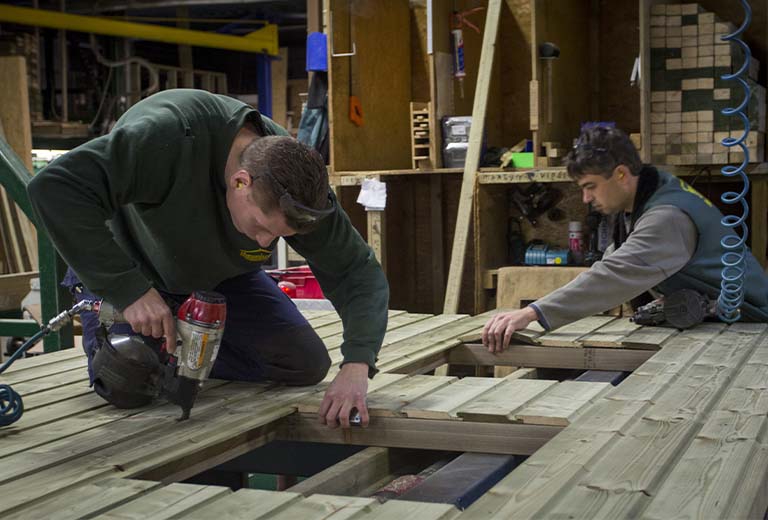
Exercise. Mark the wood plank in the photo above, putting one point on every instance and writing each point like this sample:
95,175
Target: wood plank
654,376
310,314
279,77
476,132
520,284
569,335
323,506
377,235
311,403
610,335
78,363
649,338
335,341
423,332
759,216
91,430
710,473
43,359
55,412
167,502
550,357
498,404
449,331
398,432
561,403
349,476
51,382
13,288
388,401
336,327
562,461
88,500
171,448
406,509
244,503
632,470
444,403
57,395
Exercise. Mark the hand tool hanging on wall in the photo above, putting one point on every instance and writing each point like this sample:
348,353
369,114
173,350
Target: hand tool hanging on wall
355,106
457,43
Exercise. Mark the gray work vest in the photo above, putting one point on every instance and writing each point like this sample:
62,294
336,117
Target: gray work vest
703,271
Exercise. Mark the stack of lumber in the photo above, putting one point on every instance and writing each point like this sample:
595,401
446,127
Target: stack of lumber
688,60
18,237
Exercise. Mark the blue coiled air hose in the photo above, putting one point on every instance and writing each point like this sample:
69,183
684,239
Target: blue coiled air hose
734,257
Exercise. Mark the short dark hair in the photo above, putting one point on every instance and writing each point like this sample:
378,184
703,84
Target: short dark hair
280,163
599,150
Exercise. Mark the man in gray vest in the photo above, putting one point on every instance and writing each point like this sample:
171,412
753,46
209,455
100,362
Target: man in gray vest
666,237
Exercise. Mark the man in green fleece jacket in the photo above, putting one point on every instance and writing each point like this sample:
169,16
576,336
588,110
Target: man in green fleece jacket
190,191
666,238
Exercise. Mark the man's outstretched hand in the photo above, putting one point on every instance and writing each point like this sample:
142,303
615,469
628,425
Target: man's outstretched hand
497,333
347,391
151,316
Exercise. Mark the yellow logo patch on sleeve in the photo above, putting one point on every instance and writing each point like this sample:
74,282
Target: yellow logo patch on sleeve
256,255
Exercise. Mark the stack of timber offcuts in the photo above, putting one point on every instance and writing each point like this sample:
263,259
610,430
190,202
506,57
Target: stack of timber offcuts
688,60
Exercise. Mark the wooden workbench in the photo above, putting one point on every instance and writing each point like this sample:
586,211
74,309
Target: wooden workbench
685,434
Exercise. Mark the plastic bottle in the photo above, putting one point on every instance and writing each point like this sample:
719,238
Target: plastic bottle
576,241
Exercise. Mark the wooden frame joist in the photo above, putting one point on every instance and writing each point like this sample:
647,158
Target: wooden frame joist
551,357
396,432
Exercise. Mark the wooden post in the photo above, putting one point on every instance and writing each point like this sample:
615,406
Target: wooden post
377,230
280,87
453,289
645,80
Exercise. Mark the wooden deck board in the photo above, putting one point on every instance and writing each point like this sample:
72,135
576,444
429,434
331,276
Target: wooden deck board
685,435
558,405
569,335
166,502
499,404
88,500
443,403
610,335
623,450
244,503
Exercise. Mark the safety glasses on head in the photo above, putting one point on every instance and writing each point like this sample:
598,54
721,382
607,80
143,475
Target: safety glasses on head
298,216
587,150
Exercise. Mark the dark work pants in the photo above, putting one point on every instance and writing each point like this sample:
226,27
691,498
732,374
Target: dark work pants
265,336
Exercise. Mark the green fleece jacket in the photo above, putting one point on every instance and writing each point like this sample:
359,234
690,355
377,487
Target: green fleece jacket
145,206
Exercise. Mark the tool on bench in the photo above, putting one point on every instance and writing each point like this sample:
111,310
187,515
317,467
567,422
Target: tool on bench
681,309
128,371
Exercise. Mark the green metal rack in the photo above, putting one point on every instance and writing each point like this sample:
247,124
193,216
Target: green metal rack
54,299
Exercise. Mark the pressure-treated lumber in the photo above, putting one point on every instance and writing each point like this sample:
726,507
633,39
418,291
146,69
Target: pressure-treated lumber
637,451
458,253
550,357
398,432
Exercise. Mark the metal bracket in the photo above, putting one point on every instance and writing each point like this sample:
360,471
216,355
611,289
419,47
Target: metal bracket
330,30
